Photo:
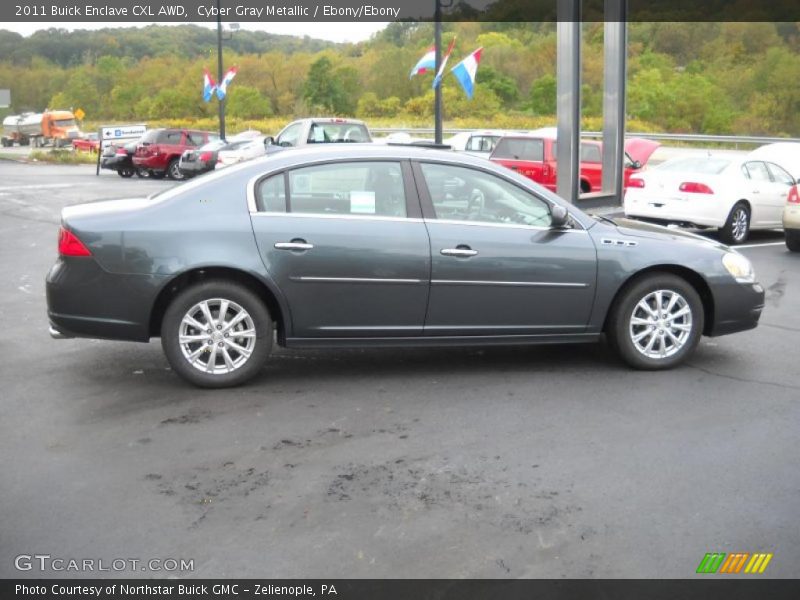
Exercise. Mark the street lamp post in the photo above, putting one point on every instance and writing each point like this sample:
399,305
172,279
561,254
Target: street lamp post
437,42
219,72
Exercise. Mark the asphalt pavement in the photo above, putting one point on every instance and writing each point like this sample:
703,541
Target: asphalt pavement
499,462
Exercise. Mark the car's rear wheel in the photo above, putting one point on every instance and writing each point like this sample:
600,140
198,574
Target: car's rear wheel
142,173
216,334
793,239
125,172
657,322
174,171
737,227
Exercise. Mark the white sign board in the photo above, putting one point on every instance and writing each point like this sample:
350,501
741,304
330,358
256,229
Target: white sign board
114,133
5,98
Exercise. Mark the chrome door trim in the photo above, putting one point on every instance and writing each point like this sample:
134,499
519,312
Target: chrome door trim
509,283
503,225
303,279
342,216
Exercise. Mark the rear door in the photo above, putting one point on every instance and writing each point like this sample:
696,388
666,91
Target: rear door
497,268
345,243
783,182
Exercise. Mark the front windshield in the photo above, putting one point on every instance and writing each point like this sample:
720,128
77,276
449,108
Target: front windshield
65,122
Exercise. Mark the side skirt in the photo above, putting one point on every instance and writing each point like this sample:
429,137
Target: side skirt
440,340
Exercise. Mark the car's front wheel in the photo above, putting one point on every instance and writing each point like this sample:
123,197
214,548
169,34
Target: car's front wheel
657,322
216,334
793,239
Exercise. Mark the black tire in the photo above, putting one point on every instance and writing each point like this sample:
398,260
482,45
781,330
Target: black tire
213,291
142,173
174,171
157,174
620,329
793,239
737,227
125,172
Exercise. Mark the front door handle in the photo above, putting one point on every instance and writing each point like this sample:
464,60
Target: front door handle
461,251
294,245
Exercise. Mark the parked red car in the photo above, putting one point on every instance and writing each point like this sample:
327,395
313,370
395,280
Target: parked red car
534,155
159,151
90,143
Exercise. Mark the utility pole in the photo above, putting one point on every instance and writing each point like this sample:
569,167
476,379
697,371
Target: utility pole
219,72
437,101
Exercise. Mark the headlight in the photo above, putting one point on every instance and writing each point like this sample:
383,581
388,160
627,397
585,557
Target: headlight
739,267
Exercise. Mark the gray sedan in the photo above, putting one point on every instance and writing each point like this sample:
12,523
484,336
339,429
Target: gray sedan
367,245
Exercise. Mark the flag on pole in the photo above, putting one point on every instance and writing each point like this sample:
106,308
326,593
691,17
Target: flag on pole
426,63
438,79
209,85
222,88
466,70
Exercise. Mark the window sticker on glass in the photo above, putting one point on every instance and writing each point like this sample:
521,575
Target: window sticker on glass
362,202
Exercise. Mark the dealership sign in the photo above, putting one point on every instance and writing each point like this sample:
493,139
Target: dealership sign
113,134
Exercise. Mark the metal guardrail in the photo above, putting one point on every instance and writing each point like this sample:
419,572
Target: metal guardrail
659,137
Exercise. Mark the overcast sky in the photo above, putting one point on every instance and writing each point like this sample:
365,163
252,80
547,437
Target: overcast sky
334,32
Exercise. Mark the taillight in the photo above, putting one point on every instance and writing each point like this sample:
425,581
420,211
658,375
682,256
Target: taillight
70,245
205,156
794,196
693,187
635,182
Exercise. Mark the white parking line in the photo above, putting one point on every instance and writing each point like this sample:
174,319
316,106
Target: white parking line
11,188
759,245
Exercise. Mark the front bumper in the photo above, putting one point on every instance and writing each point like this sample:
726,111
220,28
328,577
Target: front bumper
737,307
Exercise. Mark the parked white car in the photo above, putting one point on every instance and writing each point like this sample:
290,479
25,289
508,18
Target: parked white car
477,143
238,152
787,155
733,195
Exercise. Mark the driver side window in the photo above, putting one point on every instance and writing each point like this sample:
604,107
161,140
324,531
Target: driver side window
463,194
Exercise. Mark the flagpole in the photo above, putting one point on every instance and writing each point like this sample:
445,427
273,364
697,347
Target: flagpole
219,72
437,98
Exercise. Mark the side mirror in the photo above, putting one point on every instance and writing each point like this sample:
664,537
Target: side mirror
269,141
636,165
559,217
798,182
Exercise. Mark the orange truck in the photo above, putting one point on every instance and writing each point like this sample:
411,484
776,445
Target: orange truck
57,127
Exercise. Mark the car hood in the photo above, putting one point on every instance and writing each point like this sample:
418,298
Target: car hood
641,229
640,149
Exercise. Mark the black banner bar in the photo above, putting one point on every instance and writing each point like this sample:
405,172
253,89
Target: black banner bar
188,11
713,588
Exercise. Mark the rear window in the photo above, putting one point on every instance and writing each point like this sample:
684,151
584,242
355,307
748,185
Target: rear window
705,166
519,149
331,133
169,137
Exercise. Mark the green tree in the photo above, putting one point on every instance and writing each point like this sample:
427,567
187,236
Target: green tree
246,102
322,89
542,98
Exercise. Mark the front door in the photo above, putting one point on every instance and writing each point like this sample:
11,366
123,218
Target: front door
345,244
497,267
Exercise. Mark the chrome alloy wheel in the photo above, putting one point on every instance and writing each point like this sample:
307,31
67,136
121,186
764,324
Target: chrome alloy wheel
661,324
217,336
739,224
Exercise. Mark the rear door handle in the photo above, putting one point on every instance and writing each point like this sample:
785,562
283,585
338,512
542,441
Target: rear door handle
460,251
294,245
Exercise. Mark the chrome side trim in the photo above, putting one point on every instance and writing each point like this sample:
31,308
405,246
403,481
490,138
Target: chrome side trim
343,216
547,284
353,280
503,225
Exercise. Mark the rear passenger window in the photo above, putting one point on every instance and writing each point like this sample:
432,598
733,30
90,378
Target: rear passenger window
170,137
271,194
590,153
362,188
758,171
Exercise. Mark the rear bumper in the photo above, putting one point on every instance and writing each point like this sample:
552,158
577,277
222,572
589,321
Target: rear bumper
83,300
737,307
706,212
791,216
